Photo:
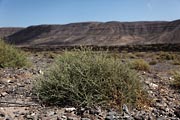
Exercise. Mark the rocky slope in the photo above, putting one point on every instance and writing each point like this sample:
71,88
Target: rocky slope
4,32
99,33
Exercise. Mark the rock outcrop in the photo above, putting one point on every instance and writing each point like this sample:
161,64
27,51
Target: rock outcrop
99,33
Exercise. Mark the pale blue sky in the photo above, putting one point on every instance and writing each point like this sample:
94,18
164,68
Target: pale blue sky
24,13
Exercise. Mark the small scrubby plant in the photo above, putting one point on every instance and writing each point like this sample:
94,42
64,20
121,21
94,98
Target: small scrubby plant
140,64
176,81
11,57
86,78
167,56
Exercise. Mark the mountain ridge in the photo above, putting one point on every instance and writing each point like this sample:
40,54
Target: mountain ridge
112,33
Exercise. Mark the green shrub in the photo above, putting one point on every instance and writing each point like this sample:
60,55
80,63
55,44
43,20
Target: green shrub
167,56
10,56
86,78
140,64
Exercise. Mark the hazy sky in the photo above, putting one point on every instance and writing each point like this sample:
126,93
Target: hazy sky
32,12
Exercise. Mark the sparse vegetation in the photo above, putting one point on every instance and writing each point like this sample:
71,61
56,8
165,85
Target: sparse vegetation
86,78
166,56
140,54
176,62
153,62
176,77
140,64
11,57
131,55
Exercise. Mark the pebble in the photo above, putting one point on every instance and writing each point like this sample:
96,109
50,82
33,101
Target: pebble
72,118
108,117
3,94
70,109
8,118
80,111
64,117
125,109
2,115
51,113
94,111
85,119
153,86
29,117
111,115
41,72
177,112
9,81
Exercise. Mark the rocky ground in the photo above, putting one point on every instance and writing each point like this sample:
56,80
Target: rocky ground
17,101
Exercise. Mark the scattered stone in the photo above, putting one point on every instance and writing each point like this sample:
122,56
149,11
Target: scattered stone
171,78
108,117
111,115
85,119
10,81
16,84
3,94
161,118
41,72
30,117
94,111
64,117
2,115
72,118
177,112
8,118
70,109
51,113
138,118
125,109
80,111
153,86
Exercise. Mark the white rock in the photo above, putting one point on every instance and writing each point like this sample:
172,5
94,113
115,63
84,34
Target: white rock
153,86
70,109
8,81
125,109
150,92
41,72
4,94
64,117
33,114
171,78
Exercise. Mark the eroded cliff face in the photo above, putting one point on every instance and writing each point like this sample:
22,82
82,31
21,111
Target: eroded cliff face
97,33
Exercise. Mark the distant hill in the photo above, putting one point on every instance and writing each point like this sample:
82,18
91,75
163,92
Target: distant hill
6,31
98,33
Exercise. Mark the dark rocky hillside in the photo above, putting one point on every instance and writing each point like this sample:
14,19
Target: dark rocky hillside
4,32
99,33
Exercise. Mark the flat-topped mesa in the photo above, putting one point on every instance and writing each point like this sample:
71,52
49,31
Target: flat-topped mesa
99,33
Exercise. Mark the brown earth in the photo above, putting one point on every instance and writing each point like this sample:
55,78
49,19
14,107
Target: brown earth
99,33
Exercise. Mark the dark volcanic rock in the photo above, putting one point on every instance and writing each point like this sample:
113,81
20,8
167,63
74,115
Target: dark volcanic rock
99,33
